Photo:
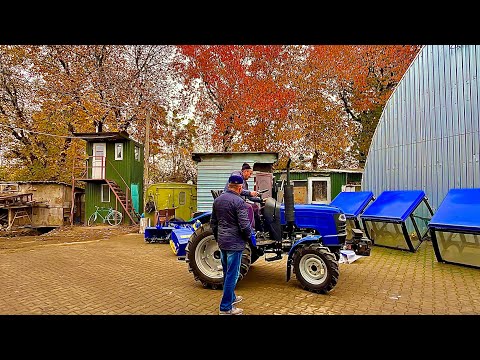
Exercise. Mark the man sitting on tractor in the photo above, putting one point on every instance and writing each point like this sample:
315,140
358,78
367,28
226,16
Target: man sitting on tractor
246,173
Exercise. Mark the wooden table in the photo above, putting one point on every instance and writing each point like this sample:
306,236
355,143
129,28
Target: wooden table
15,199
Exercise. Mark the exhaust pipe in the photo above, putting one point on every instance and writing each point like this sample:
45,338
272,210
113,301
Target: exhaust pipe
289,202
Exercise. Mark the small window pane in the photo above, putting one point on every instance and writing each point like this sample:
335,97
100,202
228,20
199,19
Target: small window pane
182,198
459,248
119,151
137,153
387,234
105,193
319,192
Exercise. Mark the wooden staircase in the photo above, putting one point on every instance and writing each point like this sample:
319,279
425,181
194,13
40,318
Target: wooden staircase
125,201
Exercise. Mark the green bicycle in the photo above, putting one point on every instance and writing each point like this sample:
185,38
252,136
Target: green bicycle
113,217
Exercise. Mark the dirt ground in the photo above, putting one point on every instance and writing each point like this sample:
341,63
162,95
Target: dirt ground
28,238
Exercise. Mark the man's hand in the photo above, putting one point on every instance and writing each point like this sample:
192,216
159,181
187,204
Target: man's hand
254,193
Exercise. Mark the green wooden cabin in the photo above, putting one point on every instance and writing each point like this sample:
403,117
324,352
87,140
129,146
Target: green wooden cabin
113,174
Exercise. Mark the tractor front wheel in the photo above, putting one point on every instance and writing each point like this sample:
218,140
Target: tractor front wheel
203,258
316,268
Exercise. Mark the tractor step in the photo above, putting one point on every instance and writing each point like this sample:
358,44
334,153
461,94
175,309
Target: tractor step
273,258
265,242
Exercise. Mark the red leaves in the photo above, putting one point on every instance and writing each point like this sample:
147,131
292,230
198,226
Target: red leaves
240,83
272,97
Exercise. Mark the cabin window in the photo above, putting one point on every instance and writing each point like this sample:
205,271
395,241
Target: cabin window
105,193
118,151
319,190
137,153
182,198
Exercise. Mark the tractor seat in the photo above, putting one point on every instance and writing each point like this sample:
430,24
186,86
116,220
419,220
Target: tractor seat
216,193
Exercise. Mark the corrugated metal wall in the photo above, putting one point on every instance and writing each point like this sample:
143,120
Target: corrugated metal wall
214,170
428,135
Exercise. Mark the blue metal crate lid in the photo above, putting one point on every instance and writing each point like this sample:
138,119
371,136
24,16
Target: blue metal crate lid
459,210
352,203
394,205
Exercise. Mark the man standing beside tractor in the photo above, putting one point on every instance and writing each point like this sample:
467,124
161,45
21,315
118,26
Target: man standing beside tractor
232,228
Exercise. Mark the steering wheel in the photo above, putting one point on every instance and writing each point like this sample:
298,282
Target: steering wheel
260,193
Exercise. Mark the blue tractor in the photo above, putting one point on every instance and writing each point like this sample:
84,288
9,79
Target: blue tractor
310,235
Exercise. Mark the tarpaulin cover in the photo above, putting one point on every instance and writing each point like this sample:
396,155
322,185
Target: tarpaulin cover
352,203
459,211
394,205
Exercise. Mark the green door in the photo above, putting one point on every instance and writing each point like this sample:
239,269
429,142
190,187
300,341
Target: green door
135,197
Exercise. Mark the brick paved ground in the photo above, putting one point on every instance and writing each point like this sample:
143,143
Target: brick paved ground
124,275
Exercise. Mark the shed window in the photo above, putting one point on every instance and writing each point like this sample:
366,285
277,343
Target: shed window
319,190
182,198
137,153
118,151
105,193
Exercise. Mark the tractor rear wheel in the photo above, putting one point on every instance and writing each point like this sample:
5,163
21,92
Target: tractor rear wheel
316,268
203,258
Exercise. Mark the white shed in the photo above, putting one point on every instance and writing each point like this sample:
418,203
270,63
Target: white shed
214,168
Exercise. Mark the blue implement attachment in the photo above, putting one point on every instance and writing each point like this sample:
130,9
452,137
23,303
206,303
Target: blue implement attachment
455,228
459,210
352,203
394,205
179,239
155,234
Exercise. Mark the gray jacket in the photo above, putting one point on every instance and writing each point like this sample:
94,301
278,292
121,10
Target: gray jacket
245,192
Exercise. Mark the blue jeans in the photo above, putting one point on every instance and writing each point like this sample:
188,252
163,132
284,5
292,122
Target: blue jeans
231,261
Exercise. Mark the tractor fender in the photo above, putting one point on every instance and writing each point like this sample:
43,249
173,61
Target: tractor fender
306,240
203,218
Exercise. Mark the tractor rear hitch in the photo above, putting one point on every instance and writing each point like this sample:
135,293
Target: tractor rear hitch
273,258
359,243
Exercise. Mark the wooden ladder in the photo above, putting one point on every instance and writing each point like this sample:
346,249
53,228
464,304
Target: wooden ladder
124,201
19,214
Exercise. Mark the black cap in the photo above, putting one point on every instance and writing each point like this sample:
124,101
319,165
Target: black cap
245,166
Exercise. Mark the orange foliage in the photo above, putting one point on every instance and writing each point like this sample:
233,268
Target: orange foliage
242,91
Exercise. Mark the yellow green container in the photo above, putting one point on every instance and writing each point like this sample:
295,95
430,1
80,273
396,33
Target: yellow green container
179,196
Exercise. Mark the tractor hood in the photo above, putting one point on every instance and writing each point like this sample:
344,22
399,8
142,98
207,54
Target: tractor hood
310,215
323,218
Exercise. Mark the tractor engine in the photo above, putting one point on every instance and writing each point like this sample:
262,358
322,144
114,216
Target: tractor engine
324,220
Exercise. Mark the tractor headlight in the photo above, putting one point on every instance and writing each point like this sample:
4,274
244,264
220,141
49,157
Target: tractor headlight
342,217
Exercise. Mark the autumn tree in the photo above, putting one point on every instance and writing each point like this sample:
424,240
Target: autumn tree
321,103
238,90
361,78
316,103
19,101
81,88
321,133
172,147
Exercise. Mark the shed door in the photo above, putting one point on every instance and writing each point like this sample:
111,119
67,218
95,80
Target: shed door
98,161
135,197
